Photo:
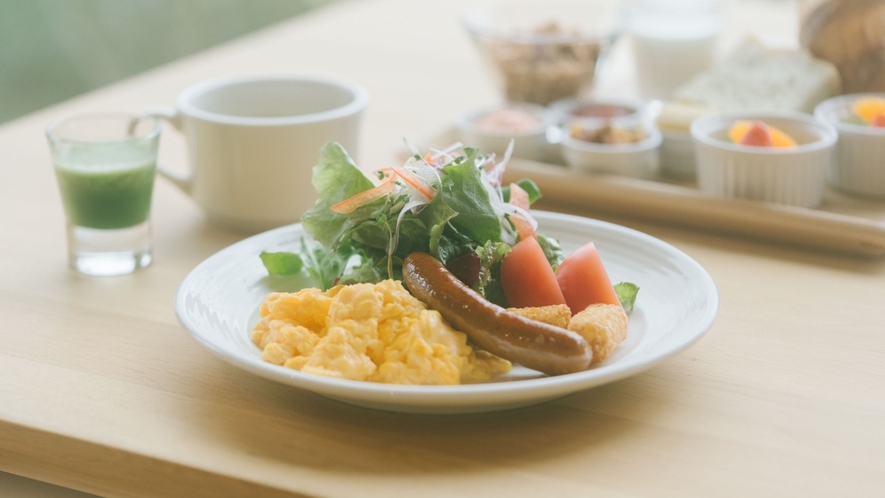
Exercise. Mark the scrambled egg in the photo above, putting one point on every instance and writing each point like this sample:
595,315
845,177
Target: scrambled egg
377,333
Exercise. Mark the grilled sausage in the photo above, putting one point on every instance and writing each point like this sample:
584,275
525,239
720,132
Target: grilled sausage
532,344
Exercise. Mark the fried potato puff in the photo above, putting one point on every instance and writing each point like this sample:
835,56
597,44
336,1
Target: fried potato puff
603,326
558,315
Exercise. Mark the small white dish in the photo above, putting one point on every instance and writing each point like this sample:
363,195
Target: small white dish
638,159
218,305
530,144
677,149
794,176
677,155
564,110
859,165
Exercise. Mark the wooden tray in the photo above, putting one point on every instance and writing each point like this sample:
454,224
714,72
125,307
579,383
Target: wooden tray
842,224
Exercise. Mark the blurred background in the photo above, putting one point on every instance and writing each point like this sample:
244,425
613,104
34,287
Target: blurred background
52,50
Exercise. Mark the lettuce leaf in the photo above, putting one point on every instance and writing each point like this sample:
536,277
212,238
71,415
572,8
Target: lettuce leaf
452,245
526,184
323,265
465,194
436,215
378,233
367,272
335,178
281,263
627,292
488,284
494,290
552,250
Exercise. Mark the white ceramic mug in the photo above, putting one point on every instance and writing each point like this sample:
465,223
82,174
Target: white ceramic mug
253,141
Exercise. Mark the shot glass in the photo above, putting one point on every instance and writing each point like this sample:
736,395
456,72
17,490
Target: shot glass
105,168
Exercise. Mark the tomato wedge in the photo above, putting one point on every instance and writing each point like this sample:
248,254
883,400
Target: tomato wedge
416,183
520,198
350,205
584,281
527,277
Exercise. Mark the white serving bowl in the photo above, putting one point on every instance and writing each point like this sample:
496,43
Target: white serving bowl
638,159
859,164
530,144
795,176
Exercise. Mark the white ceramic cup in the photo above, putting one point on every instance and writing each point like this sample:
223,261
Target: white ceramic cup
253,141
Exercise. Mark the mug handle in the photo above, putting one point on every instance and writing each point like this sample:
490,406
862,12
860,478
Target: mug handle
184,181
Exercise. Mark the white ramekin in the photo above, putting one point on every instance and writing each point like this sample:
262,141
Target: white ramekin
526,145
677,154
859,164
639,160
562,109
795,176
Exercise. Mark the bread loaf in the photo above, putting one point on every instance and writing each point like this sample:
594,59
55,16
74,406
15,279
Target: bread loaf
851,35
758,78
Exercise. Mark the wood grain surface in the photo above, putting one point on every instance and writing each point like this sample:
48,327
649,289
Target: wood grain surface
102,391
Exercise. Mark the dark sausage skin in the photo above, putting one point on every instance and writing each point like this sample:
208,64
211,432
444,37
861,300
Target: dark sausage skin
532,344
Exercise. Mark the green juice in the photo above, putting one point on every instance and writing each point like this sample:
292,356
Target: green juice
105,187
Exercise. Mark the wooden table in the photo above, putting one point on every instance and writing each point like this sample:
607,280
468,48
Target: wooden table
102,391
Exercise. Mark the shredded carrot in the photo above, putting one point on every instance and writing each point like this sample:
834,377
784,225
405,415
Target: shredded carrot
350,205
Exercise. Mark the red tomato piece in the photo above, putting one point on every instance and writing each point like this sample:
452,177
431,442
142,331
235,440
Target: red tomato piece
583,280
527,277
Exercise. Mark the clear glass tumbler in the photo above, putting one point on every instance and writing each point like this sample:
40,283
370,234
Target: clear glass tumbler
105,168
673,40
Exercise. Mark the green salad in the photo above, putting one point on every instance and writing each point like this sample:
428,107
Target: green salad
449,203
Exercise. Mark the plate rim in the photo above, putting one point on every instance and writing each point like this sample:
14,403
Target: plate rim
431,394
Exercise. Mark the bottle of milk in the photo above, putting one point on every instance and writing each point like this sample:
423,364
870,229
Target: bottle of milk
672,41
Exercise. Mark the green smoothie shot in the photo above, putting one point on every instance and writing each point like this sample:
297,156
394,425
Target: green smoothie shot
105,166
112,191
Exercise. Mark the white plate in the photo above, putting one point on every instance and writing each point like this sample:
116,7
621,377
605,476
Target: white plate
218,304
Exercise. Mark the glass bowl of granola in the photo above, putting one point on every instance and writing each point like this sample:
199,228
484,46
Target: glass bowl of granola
543,52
